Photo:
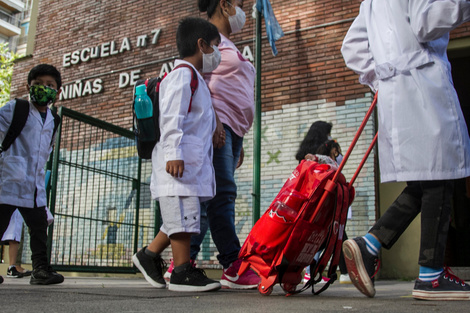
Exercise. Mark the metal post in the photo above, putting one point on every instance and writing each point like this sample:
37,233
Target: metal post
257,127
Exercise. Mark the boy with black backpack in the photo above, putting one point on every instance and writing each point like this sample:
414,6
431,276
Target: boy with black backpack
27,129
182,171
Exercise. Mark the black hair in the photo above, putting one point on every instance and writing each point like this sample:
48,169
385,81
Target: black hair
209,6
316,136
189,31
45,69
327,147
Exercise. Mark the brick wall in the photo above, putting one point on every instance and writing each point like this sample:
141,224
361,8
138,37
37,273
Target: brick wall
305,82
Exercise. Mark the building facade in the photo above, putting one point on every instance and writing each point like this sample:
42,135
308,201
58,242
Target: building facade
103,47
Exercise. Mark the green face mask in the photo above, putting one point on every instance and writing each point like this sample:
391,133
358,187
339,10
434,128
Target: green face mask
42,95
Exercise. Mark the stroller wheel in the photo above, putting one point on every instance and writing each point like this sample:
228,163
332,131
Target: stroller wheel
288,288
265,291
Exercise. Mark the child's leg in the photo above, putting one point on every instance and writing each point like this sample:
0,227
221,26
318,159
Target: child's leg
159,243
180,246
36,219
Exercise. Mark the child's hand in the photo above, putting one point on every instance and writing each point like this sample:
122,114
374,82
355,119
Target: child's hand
175,168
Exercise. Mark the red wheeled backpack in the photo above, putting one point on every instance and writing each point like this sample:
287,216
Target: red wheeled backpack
307,216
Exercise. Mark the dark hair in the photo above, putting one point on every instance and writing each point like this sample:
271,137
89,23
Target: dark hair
189,31
208,6
327,147
316,136
45,69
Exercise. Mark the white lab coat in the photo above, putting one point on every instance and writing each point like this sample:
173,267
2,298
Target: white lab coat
185,136
22,165
399,48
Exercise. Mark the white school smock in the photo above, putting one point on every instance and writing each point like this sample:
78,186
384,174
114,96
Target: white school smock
185,136
399,48
22,165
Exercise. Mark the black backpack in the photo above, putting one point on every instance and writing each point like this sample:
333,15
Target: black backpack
144,142
20,116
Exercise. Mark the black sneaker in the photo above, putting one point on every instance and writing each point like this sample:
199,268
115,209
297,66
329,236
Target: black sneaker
13,272
361,265
151,268
192,279
446,287
45,276
1,279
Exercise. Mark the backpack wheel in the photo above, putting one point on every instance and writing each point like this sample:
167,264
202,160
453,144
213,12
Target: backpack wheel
288,288
265,291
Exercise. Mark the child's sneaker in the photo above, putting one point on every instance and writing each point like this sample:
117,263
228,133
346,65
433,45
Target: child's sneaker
45,276
231,280
361,265
13,272
192,279
306,277
168,272
1,279
151,268
345,279
446,287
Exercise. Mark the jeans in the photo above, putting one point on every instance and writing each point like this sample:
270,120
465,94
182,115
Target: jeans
221,209
433,200
36,220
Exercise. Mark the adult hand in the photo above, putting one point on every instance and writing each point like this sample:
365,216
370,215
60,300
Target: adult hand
240,159
175,168
218,138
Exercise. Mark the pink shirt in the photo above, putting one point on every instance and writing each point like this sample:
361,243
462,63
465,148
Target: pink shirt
232,88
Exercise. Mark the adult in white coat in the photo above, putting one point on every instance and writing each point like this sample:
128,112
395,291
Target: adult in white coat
22,176
399,48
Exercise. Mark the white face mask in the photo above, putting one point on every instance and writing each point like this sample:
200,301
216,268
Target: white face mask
211,61
237,21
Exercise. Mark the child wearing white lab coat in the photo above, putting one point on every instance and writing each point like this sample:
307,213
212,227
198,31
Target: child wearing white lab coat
399,48
182,171
22,178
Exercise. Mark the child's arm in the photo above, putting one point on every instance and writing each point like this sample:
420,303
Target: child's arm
175,95
356,54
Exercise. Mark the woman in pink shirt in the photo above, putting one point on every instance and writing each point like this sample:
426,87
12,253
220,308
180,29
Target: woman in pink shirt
232,92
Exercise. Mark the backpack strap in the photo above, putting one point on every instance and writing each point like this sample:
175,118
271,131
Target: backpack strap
194,82
57,121
20,116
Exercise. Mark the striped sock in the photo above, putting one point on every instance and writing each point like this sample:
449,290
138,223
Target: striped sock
429,274
373,245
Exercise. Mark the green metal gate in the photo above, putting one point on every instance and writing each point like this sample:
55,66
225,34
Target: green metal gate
101,204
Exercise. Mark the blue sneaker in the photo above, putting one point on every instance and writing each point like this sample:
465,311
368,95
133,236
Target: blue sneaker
446,287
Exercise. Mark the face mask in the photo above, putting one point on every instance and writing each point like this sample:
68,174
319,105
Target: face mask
237,21
211,61
42,95
339,158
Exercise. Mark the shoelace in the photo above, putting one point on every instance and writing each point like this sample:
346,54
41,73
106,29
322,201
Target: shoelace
377,266
159,263
452,277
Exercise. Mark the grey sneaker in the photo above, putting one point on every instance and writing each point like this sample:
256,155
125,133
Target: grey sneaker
192,279
151,268
446,287
45,276
361,265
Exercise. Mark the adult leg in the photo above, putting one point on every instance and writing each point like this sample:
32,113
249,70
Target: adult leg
221,209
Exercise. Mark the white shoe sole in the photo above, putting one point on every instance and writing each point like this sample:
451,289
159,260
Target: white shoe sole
190,288
230,285
147,277
441,296
357,272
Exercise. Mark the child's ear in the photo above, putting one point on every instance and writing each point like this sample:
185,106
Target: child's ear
200,44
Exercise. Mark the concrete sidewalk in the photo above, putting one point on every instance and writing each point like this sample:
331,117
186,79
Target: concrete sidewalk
84,294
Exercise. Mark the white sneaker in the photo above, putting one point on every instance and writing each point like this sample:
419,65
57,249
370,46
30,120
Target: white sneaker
345,279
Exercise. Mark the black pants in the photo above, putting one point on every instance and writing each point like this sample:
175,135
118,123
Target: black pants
433,200
36,220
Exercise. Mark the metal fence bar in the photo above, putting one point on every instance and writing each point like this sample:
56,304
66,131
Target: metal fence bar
101,214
